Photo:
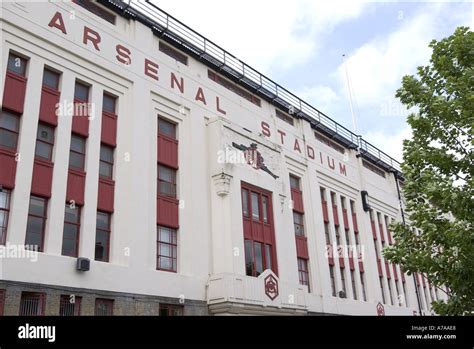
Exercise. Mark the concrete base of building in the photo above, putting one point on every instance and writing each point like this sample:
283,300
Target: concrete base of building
124,303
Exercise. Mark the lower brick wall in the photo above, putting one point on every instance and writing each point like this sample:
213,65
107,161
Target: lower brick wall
124,303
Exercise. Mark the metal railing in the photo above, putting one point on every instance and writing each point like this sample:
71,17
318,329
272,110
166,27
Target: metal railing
186,38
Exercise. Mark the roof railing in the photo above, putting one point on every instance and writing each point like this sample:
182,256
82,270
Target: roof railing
175,31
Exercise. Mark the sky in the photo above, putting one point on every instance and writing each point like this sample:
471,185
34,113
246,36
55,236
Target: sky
300,44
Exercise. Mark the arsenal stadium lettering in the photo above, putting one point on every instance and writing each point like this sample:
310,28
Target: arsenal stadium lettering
151,69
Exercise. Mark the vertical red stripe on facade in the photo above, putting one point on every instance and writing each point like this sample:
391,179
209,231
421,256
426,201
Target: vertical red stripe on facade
341,262
76,181
297,197
167,151
80,120
331,260
49,103
105,198
387,270
8,168
351,263
374,232
42,178
382,235
335,215
325,212
361,267
345,219
167,212
109,129
379,267
354,222
302,247
14,92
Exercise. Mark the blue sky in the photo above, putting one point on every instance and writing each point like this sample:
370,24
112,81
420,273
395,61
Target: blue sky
300,44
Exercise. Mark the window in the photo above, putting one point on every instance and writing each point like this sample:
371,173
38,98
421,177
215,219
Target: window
329,143
373,168
16,64
166,128
343,283
166,181
106,166
258,257
354,287
298,222
32,304
382,290
69,305
36,223
102,239
5,196
104,307
9,130
303,271
51,79
167,247
234,88
245,202
362,284
333,280
93,7
265,208
72,226
2,301
108,103
171,310
170,51
286,118
327,233
338,236
255,206
44,142
81,92
77,153
294,182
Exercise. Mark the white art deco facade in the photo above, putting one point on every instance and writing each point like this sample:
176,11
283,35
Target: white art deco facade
157,174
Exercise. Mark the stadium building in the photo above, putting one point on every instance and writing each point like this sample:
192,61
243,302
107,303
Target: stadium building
146,171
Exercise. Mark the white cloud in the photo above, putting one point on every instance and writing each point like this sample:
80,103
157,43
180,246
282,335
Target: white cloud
321,96
266,34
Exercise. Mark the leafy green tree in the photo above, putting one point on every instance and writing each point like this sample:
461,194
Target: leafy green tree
438,166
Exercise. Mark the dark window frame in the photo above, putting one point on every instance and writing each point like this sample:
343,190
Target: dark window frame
52,72
64,305
6,211
39,297
284,117
171,124
108,232
82,155
170,309
109,303
173,246
96,10
7,130
24,63
303,271
234,88
77,224
44,218
50,145
106,162
112,97
171,184
173,53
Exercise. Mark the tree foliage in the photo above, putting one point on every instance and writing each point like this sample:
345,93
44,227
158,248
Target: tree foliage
438,174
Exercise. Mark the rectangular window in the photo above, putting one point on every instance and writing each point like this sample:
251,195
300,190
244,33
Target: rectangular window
382,290
171,310
373,168
265,208
255,206
9,130
81,92
16,64
36,223
77,153
303,271
258,257
72,227
167,249
298,222
106,166
44,142
51,79
69,305
327,233
333,280
294,182
2,301
96,9
108,103
286,118
354,287
234,88
102,239
32,304
5,196
173,53
329,143
362,284
245,202
104,307
343,283
166,128
166,181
